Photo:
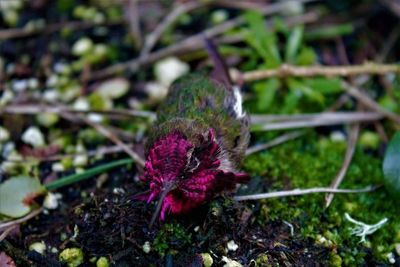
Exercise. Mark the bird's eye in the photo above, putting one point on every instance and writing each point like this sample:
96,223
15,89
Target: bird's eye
193,164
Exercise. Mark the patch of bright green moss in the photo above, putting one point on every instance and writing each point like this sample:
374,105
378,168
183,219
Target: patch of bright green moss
314,162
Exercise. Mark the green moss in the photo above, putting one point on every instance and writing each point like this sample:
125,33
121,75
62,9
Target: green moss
314,162
72,256
171,239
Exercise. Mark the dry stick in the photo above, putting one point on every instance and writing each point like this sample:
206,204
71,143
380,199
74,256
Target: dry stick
296,192
316,122
369,102
277,141
107,133
195,42
6,232
340,115
295,71
20,220
155,35
351,145
73,25
35,109
131,15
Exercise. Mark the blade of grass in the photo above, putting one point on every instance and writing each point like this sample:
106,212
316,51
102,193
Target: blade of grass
74,178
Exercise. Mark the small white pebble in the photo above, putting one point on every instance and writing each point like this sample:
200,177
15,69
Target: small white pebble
54,250
57,167
232,246
39,247
156,91
51,200
337,136
51,95
118,191
196,229
52,81
81,104
146,247
20,85
95,117
82,46
4,134
33,83
391,258
169,69
33,136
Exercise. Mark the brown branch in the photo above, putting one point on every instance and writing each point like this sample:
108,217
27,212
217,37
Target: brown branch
320,120
131,15
195,42
297,192
351,145
20,220
36,109
295,71
277,141
180,9
369,102
73,25
108,134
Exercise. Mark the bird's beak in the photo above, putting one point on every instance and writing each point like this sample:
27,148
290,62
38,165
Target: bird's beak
168,188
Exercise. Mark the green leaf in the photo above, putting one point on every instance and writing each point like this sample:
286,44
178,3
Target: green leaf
306,57
324,85
391,166
74,178
329,32
266,91
294,43
307,91
16,194
262,40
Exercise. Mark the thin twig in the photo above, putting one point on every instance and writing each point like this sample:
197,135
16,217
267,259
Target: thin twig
195,42
277,141
351,145
36,109
108,134
369,102
296,71
154,36
21,220
73,25
318,122
131,15
6,232
297,192
328,116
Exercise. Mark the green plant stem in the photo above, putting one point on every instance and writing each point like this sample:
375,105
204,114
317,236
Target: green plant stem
74,178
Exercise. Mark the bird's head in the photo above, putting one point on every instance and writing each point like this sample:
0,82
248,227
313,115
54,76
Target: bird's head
184,174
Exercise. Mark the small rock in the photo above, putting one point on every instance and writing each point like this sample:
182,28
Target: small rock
82,46
39,247
4,134
20,85
146,247
33,83
81,104
57,167
51,95
47,119
95,117
232,246
6,97
114,88
338,136
51,200
169,69
33,136
156,92
397,248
